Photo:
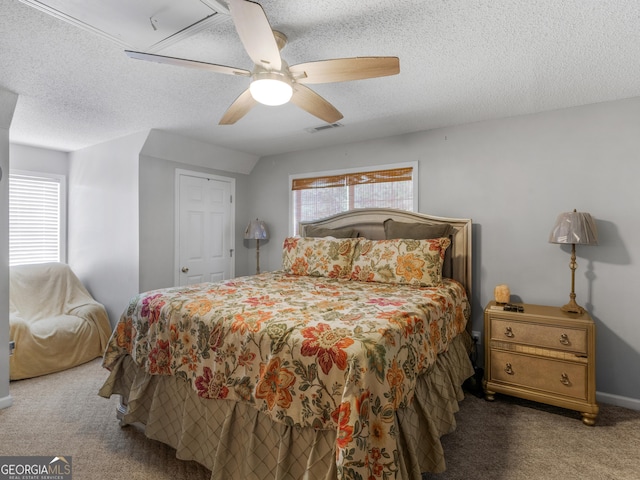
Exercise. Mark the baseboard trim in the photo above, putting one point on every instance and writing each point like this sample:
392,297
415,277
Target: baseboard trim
620,401
6,402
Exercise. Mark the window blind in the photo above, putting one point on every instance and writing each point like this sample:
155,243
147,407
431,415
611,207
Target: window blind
35,223
358,178
324,195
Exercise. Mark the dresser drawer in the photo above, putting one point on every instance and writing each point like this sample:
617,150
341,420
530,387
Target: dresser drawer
546,374
547,336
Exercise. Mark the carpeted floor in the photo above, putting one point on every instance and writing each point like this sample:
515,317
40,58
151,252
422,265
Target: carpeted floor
513,439
61,414
509,439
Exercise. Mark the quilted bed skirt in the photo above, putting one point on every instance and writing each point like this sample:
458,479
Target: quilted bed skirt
235,441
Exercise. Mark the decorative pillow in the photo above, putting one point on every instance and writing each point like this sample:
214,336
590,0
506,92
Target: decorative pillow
407,261
313,231
393,229
318,257
418,231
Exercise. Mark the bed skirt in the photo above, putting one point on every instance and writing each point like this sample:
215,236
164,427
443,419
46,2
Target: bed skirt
235,441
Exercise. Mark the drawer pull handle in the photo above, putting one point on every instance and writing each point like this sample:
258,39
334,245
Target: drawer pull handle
508,369
564,379
564,339
508,332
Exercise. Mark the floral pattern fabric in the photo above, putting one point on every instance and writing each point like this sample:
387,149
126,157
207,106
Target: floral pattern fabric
403,261
318,257
317,352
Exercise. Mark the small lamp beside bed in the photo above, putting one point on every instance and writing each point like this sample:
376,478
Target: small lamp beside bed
256,230
575,228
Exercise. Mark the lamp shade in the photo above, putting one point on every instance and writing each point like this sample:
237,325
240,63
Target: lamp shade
577,228
256,230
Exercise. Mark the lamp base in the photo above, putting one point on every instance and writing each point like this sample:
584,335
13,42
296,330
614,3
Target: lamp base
257,256
572,307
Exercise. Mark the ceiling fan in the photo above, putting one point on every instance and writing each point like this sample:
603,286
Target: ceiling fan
273,82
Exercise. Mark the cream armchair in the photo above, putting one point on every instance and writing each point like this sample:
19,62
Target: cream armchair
54,321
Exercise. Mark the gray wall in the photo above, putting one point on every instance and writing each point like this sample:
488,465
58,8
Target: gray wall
157,218
121,207
8,102
513,177
161,155
103,220
35,159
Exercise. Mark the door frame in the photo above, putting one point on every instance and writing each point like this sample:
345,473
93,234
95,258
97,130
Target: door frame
176,220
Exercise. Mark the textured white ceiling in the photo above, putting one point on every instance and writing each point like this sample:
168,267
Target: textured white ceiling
460,61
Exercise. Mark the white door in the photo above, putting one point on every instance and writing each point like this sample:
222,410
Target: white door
204,237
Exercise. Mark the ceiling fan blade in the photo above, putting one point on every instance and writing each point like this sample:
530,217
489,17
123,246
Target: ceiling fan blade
181,62
345,69
238,109
255,33
310,101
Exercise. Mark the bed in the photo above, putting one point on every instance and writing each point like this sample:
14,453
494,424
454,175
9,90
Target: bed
346,364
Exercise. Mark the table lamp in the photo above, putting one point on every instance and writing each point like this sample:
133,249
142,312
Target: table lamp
256,230
576,228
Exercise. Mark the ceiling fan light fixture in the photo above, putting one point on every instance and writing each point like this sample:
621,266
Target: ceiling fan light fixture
271,88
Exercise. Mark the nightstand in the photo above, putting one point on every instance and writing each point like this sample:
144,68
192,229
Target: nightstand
542,354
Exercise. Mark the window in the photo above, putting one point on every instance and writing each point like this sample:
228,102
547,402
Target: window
319,195
36,218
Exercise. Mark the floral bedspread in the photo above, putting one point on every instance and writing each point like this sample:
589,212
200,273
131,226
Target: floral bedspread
307,351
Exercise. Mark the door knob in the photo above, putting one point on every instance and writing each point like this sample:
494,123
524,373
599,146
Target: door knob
185,269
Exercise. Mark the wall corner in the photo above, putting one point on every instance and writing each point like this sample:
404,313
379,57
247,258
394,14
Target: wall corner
8,101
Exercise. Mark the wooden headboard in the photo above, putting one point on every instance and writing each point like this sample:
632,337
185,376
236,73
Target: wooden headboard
369,224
